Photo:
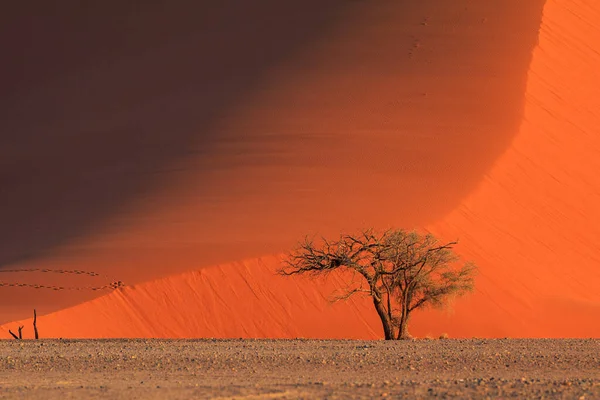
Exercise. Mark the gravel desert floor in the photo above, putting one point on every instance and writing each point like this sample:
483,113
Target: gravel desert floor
273,369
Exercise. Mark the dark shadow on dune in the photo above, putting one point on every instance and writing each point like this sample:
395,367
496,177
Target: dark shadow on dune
98,99
99,96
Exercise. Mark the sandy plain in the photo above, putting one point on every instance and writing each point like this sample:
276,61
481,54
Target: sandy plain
271,369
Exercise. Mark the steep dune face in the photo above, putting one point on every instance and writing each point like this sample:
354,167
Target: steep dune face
255,131
533,224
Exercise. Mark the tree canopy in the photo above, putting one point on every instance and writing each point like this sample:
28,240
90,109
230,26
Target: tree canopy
402,271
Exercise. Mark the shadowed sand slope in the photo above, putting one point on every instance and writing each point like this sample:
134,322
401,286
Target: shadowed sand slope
99,100
230,135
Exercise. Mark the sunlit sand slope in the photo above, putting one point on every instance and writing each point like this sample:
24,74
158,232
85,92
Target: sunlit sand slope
156,140
534,224
243,299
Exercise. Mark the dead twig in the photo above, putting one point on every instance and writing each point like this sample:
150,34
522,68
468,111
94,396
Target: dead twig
35,330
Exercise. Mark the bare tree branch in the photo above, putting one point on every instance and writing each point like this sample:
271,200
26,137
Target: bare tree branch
349,293
402,270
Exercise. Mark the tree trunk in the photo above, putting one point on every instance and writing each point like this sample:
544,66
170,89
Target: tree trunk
403,328
385,321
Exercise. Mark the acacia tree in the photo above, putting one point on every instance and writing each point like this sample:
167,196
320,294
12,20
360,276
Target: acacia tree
401,271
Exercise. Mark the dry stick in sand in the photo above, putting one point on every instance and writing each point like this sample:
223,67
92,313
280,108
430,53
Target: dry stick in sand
13,335
21,332
35,325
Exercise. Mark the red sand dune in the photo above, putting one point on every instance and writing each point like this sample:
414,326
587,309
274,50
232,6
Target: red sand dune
432,115
533,224
243,299
163,152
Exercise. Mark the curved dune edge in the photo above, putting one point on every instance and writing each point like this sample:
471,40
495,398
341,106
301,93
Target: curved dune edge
206,166
531,226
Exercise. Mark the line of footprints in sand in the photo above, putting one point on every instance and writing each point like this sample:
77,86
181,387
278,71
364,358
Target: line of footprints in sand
110,286
416,44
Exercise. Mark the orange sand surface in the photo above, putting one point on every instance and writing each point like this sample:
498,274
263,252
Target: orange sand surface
448,115
243,299
533,224
164,152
